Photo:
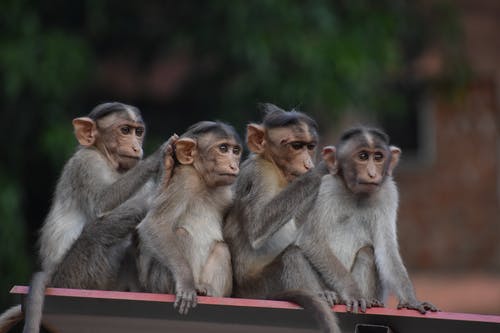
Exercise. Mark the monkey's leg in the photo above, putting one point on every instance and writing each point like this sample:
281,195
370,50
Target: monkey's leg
289,271
216,276
297,273
364,272
94,259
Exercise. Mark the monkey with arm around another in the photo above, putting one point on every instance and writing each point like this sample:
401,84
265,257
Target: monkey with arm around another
104,177
180,245
276,188
354,218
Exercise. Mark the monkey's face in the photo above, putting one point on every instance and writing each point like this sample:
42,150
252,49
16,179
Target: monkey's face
121,139
292,149
218,160
365,169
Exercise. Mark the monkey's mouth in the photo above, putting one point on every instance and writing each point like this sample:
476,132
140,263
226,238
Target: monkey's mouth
374,184
234,175
130,157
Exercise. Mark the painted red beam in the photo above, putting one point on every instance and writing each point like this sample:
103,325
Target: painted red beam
251,303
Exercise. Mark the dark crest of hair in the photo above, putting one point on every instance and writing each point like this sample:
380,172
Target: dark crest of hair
217,128
277,117
104,109
355,131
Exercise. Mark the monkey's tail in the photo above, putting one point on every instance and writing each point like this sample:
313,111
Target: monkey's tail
10,318
324,316
34,302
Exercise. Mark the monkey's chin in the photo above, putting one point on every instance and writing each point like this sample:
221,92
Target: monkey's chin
292,175
222,180
127,162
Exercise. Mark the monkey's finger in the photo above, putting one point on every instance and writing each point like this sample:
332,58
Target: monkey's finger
352,306
363,305
194,301
430,306
184,307
355,307
421,309
348,306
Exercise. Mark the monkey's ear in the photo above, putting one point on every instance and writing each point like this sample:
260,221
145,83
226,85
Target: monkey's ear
255,138
85,131
185,149
395,154
329,154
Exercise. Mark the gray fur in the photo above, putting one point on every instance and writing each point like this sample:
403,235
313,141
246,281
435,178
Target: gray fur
351,237
84,239
262,227
87,189
180,244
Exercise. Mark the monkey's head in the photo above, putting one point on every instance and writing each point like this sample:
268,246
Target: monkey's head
363,158
214,151
116,130
287,139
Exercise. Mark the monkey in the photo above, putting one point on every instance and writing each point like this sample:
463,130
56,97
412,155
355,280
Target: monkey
180,245
274,190
105,173
354,218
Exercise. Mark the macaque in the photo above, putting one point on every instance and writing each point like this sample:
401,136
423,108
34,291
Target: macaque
354,218
180,245
276,187
104,182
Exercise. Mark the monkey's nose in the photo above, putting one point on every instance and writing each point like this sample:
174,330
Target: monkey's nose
308,165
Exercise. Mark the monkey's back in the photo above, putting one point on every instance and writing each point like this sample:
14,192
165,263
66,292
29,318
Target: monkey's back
73,204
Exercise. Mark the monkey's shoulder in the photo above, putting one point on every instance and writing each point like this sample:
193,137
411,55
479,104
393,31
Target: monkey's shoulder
258,178
86,163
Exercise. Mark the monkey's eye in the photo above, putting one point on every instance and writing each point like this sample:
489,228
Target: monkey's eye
378,156
223,148
139,131
297,145
363,155
311,146
236,150
125,130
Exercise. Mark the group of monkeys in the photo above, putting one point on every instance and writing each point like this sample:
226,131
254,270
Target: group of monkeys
189,220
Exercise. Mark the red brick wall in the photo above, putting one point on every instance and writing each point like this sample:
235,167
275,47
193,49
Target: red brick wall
450,208
449,211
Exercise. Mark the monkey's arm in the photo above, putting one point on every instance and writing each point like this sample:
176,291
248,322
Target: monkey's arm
294,200
391,267
335,275
109,196
168,242
170,251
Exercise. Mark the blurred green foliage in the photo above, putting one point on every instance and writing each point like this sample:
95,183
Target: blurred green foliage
323,56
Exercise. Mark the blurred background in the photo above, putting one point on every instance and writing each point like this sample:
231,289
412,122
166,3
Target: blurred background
426,71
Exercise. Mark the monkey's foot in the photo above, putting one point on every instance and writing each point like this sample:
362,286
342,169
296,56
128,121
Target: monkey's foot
421,307
330,297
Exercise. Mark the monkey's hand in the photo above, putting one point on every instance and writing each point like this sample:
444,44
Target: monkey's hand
168,147
168,163
421,307
185,298
330,297
375,303
204,289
